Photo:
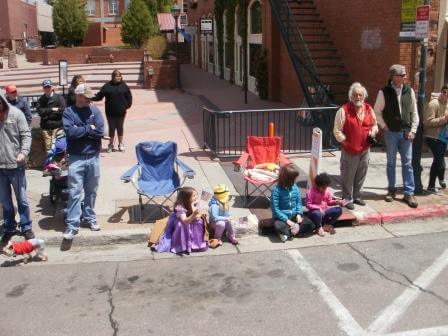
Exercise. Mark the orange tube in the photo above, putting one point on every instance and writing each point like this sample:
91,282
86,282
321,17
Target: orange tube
271,129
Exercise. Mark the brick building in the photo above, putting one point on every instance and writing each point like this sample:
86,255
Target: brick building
346,40
105,21
18,21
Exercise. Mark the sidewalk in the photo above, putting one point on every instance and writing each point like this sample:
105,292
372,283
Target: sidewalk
177,116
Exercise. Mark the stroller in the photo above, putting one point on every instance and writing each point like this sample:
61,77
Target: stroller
56,166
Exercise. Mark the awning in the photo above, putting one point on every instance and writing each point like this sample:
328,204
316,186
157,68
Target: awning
44,17
166,22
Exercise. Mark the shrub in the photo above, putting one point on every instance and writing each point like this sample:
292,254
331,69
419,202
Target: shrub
137,24
69,21
157,46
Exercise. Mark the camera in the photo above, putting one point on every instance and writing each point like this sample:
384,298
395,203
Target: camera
372,141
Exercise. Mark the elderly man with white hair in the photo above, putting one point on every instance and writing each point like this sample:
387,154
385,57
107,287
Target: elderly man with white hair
354,125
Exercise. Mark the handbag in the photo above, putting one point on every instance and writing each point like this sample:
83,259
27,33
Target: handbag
443,134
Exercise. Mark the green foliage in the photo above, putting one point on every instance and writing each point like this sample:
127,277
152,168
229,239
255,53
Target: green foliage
157,46
137,24
262,74
159,6
69,21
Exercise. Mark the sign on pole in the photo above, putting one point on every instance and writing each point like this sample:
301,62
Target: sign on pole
206,26
408,20
316,155
422,22
63,72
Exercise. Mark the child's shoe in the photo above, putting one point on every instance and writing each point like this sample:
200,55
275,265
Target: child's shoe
233,240
283,237
330,229
321,232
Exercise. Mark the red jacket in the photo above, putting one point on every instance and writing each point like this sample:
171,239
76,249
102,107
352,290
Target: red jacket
355,130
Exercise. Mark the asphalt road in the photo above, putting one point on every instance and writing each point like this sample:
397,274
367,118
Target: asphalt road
395,286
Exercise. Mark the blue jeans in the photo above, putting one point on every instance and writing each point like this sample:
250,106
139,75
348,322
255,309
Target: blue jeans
83,175
329,218
16,179
396,142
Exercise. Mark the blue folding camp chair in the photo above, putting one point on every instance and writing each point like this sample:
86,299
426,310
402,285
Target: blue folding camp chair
156,173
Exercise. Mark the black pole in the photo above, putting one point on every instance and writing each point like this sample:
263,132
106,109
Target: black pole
178,83
418,141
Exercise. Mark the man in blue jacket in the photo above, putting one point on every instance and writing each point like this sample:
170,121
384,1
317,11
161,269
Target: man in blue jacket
19,102
84,128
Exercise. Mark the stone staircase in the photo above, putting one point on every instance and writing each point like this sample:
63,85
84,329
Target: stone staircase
28,80
324,54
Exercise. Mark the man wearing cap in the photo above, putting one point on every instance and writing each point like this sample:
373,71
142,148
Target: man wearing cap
15,143
396,113
84,128
50,107
19,102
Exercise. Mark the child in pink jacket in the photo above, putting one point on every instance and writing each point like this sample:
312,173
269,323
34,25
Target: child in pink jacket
324,209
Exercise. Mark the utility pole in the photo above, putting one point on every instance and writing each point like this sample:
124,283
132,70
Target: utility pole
418,141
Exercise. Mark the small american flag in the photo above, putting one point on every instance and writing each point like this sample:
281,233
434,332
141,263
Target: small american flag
205,196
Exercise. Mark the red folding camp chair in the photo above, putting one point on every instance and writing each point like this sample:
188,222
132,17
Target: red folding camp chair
260,150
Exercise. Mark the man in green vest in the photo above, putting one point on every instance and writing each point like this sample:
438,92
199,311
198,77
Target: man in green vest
396,113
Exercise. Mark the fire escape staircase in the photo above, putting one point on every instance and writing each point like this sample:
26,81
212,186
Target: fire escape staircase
321,73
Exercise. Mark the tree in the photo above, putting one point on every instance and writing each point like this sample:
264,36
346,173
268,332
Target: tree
69,21
159,6
137,24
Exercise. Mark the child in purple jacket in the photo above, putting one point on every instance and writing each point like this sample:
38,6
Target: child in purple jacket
324,208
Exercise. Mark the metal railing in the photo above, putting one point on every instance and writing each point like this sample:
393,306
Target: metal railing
225,132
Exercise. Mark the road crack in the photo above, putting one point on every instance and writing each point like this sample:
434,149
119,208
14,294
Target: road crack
113,323
409,283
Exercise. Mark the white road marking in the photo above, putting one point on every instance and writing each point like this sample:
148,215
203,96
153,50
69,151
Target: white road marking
391,314
346,321
435,331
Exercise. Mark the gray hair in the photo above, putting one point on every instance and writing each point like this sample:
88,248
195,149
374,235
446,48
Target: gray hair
355,86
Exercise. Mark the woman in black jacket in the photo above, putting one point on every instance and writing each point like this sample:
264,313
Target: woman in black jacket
118,100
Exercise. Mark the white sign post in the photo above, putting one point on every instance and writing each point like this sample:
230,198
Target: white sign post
422,22
206,26
316,155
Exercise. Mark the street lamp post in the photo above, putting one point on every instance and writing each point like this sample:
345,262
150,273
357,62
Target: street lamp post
175,11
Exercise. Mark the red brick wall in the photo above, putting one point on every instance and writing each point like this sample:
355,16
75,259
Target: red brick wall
164,75
77,55
35,55
113,35
93,35
5,33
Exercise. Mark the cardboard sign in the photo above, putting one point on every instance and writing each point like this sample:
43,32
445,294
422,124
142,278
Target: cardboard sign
316,155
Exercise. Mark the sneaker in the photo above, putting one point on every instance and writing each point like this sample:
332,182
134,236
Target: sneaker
350,206
320,232
95,227
121,147
434,190
28,234
7,237
390,196
233,240
329,228
110,148
359,202
410,200
69,234
442,184
283,238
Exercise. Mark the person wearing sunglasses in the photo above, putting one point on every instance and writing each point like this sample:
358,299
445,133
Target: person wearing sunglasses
435,118
396,113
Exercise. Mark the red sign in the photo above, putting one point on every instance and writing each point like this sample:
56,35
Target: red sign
423,13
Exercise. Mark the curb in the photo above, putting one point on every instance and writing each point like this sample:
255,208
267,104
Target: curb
385,217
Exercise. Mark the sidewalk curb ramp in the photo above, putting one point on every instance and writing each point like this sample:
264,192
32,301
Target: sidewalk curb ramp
385,217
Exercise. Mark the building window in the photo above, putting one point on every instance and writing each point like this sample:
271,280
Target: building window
185,4
90,7
255,18
113,7
126,3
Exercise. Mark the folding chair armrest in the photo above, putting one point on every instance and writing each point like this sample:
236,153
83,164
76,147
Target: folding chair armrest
188,172
241,161
283,159
127,176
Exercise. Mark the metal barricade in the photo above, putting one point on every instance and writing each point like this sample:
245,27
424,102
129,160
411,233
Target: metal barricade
225,132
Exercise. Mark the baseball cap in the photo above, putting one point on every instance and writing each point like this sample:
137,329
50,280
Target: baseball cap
47,83
397,70
10,88
83,89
